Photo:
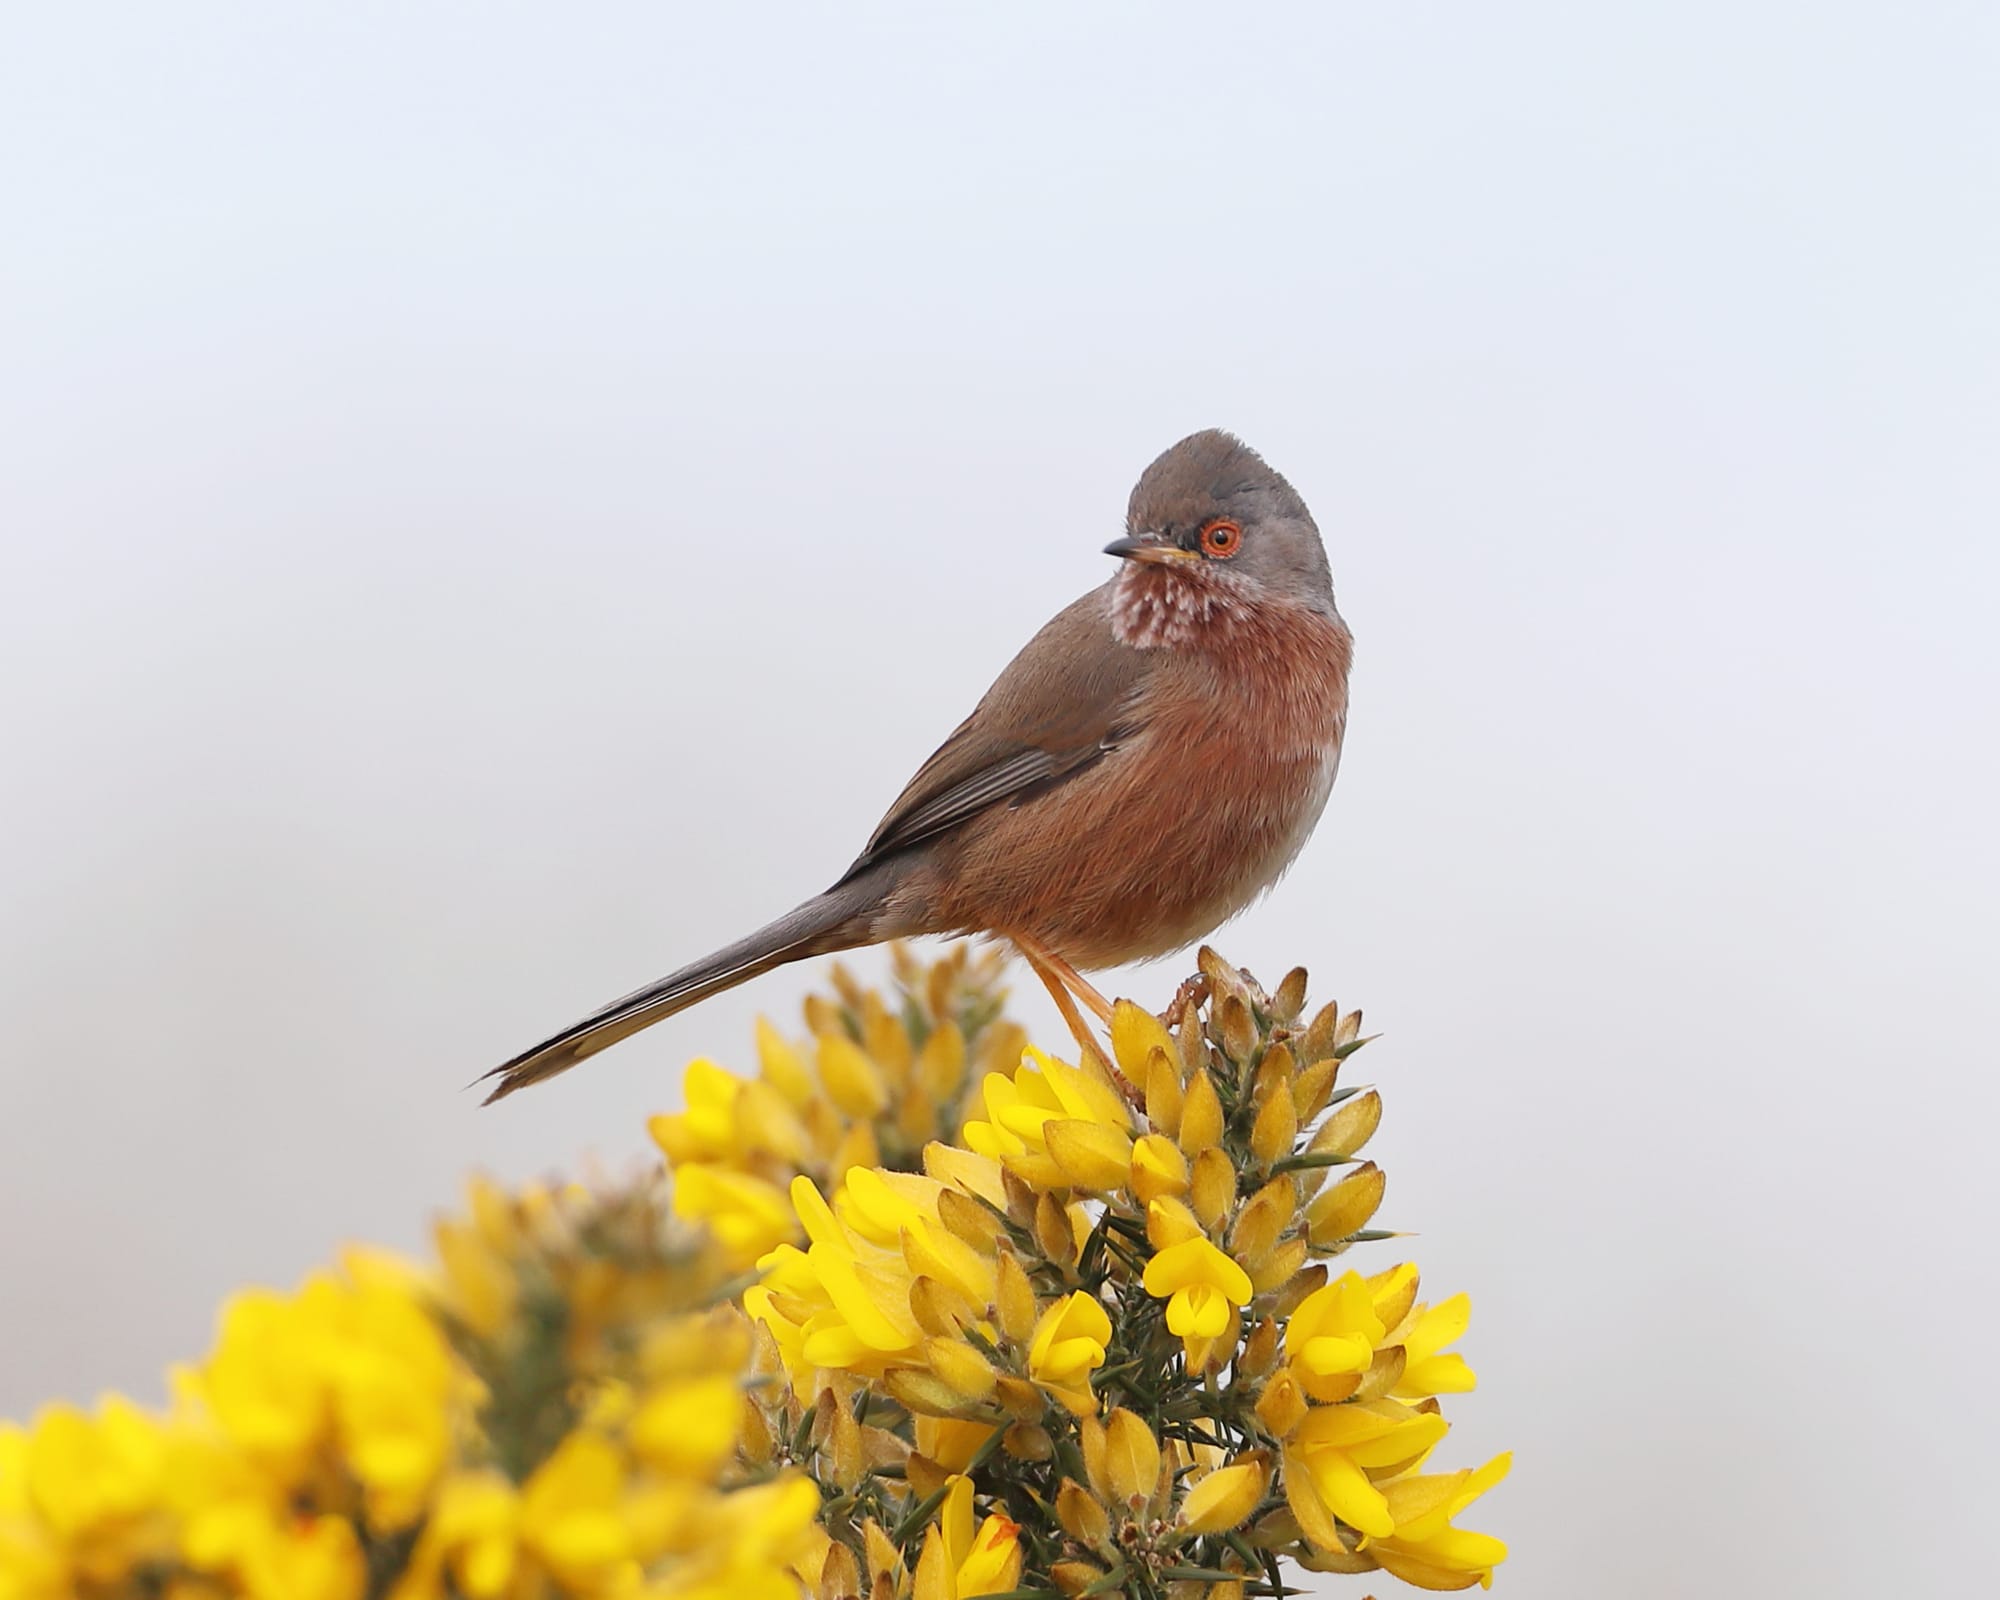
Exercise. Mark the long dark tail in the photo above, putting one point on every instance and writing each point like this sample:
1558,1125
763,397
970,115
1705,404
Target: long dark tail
836,920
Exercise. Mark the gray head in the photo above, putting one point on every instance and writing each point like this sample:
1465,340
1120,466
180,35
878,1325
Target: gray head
1209,510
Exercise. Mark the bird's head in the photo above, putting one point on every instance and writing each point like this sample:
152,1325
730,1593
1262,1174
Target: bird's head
1212,528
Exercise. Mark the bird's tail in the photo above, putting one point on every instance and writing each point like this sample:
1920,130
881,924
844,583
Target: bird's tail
836,920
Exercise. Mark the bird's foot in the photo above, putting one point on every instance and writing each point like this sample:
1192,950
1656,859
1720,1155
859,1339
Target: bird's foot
1194,991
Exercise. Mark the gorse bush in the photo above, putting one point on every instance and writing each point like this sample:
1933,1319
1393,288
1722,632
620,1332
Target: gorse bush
915,1311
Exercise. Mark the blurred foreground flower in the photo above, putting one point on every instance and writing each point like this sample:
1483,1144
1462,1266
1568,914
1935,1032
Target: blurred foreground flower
921,1314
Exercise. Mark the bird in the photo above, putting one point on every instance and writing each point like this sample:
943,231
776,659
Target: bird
1149,764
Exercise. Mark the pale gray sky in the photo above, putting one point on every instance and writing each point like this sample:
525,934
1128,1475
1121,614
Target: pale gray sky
494,500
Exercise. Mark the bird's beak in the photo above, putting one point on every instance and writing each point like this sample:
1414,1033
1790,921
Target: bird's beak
1149,547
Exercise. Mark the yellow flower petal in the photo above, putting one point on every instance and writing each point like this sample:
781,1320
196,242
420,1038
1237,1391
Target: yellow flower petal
1196,1261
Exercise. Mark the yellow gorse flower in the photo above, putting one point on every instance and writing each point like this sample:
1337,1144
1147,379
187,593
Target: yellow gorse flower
842,1303
1429,1369
1426,1549
1053,1125
959,1562
1202,1286
1338,1456
1068,1346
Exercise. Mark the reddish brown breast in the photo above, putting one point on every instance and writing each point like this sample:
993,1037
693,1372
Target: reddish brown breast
1193,816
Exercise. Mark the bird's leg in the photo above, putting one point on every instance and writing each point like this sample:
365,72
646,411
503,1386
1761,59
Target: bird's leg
1066,985
1066,1004
1080,986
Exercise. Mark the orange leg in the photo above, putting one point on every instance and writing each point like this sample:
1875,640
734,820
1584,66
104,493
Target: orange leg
1047,961
1066,986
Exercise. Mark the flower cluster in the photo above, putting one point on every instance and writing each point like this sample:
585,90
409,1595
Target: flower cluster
918,1313
1105,1317
879,1080
553,1410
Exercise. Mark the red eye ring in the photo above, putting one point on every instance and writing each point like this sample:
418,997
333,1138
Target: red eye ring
1221,538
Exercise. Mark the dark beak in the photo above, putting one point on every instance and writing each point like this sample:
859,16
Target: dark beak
1149,547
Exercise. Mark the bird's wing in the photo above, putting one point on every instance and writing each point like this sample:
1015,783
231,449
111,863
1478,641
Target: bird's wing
1062,705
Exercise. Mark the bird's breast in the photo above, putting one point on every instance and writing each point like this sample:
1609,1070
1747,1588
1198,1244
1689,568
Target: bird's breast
1267,713
1189,818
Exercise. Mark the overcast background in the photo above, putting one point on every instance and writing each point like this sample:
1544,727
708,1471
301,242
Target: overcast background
495,502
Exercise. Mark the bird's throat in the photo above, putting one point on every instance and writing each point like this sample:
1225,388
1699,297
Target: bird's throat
1173,608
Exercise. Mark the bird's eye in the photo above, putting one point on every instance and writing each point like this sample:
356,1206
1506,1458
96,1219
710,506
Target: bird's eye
1221,537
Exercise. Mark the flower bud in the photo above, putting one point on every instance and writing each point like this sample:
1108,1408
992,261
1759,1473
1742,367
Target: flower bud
845,985
916,1112
884,1559
1260,1351
1053,1232
1020,1197
1312,1088
1016,1299
754,1435
1135,1034
1350,1127
1344,1209
1303,1282
940,1308
968,1220
839,1575
1022,1400
1168,1222
1076,1577
780,1065
853,1081
1201,1116
1288,1000
1090,1433
1164,1094
1091,1155
840,1439
1274,1074
1082,1514
1282,1406
922,1391
1383,1374
1212,1187
941,1066
1188,1037
1131,1459
1225,1498
1028,1441
1259,1223
857,1148
1237,1027
1395,1295
968,1372
1276,1128
1158,1168
1319,1041
1278,1269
